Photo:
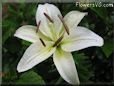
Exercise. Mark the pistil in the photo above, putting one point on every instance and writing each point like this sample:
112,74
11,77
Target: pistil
65,26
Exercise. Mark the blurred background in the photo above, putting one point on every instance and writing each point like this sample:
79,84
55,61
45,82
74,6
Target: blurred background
94,64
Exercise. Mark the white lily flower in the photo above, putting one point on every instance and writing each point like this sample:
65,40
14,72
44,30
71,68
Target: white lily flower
58,36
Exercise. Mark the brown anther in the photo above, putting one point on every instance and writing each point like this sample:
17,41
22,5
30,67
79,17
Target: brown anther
48,17
38,25
58,41
65,26
42,42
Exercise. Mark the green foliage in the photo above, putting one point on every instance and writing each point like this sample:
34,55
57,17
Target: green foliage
108,47
101,12
30,78
84,66
8,29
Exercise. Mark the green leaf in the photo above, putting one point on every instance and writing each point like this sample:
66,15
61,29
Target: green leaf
8,29
9,67
100,11
26,43
30,77
108,47
84,67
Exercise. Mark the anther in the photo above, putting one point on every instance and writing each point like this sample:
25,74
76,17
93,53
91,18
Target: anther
65,26
58,41
38,25
42,42
48,17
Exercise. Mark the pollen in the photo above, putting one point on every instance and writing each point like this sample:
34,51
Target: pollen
58,41
42,42
48,17
65,26
38,25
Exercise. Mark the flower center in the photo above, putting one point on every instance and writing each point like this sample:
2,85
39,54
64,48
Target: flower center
58,41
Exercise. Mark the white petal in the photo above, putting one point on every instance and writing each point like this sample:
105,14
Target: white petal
27,33
66,67
53,12
81,38
35,54
73,18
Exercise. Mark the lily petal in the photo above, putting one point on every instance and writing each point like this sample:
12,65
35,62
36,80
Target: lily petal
66,67
81,38
35,54
46,26
73,18
27,32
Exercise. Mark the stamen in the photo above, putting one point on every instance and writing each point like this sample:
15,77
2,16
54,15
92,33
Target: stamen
48,17
58,41
38,26
43,42
65,26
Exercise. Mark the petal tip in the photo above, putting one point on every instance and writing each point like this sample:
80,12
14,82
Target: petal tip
19,70
16,34
77,82
101,41
86,13
74,82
